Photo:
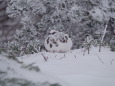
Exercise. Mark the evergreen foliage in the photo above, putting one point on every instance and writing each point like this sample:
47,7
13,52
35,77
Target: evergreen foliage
74,17
23,82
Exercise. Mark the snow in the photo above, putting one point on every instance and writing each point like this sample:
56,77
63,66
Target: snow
99,14
15,70
68,69
105,3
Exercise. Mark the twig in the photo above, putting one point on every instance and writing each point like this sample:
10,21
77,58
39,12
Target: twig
45,58
99,58
63,57
75,56
55,56
71,51
112,61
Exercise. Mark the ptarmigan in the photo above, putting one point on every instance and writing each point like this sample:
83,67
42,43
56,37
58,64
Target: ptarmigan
57,42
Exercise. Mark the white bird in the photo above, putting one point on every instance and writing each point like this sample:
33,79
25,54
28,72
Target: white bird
57,42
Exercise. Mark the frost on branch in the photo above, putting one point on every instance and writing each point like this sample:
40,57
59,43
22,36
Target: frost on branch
26,40
73,17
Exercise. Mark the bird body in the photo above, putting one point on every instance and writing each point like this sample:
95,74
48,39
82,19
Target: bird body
58,42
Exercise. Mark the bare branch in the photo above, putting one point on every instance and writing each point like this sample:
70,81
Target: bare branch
102,37
62,57
75,56
112,61
45,58
99,58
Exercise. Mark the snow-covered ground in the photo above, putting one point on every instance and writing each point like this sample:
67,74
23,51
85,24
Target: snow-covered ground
68,69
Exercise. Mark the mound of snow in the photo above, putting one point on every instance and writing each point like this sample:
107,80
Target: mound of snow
68,69
74,69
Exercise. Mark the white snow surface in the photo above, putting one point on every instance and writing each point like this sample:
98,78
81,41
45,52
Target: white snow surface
68,69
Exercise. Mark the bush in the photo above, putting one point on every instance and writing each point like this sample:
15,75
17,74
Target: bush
112,44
